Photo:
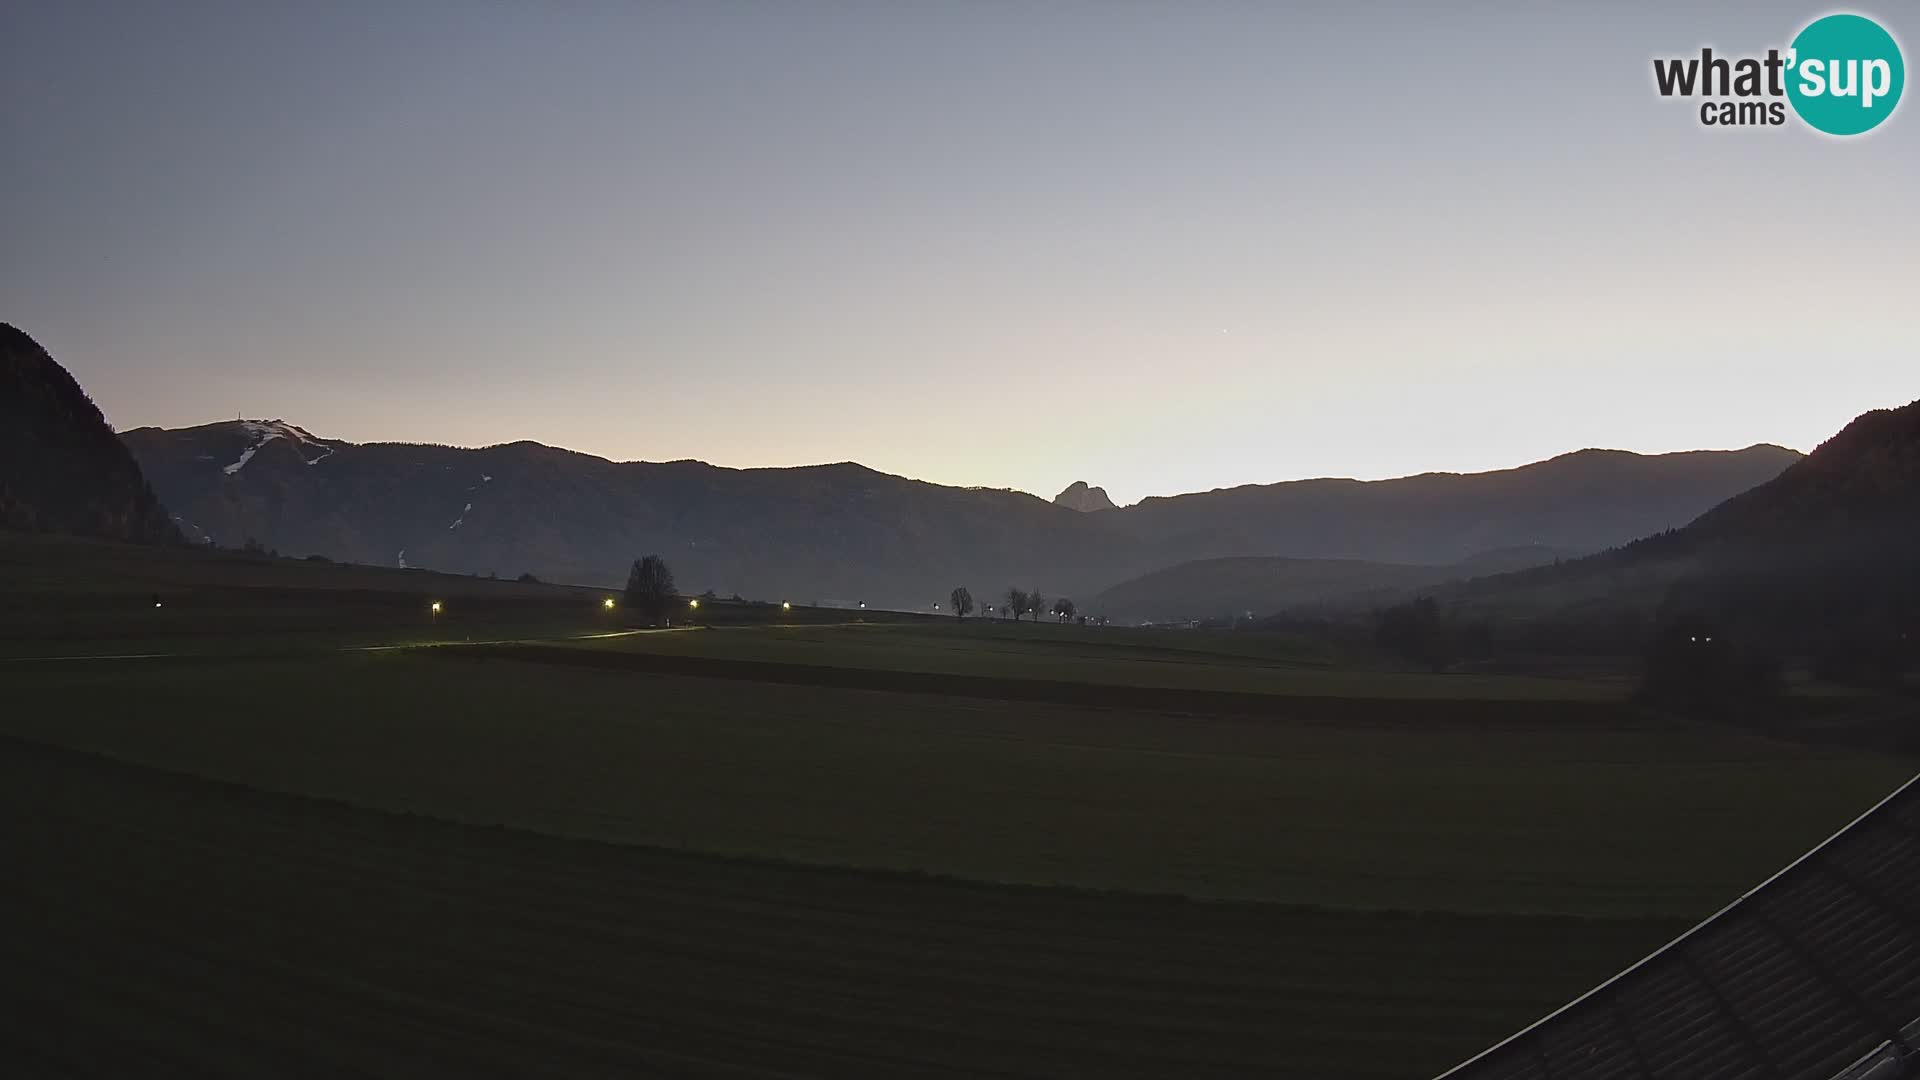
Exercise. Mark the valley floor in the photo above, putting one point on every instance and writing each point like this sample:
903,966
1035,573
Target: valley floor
336,841
167,925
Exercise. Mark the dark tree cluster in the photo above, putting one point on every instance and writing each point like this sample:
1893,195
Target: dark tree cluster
1694,666
1845,601
1031,602
1421,632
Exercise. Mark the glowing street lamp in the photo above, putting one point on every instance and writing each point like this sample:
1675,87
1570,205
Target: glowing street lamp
433,611
607,603
786,605
694,604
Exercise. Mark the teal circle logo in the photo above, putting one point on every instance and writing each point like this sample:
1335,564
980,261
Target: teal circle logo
1845,74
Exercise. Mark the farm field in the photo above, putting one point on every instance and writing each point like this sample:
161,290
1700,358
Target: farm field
1421,810
183,927
1115,656
64,596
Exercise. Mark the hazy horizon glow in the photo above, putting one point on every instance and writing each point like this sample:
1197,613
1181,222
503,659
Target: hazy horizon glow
1155,247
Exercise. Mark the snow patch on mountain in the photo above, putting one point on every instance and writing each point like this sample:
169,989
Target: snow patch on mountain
263,432
198,531
245,456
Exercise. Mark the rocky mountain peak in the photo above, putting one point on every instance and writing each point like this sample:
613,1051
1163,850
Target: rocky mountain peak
1078,496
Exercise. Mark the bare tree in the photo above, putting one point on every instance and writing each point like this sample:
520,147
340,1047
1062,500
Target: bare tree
1016,603
1036,604
962,602
1063,610
650,587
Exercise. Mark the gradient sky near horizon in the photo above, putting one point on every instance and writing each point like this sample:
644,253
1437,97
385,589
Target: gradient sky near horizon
1160,247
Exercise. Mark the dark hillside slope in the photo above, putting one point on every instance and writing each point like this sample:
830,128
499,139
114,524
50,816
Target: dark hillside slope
1828,552
1863,481
62,470
1826,559
1258,585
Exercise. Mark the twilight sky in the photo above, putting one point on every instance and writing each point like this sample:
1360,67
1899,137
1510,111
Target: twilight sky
1157,246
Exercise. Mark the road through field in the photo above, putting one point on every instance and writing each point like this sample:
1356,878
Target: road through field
391,647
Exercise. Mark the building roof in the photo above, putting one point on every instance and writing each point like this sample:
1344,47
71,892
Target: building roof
1813,975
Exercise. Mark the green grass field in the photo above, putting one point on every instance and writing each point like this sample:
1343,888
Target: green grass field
62,597
1175,659
317,828
184,928
1635,819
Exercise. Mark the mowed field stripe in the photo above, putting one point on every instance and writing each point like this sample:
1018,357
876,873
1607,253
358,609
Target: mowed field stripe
184,925
1476,712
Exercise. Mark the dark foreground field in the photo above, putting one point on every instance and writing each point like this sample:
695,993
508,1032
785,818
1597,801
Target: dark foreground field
164,925
1396,805
312,831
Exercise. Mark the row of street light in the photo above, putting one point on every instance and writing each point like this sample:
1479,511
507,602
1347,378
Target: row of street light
434,608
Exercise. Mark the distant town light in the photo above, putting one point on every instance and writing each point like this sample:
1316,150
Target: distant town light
156,603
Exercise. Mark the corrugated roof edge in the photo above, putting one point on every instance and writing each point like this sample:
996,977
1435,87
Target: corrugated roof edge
1461,1068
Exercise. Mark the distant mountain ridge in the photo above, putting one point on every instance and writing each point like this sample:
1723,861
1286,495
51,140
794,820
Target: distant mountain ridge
844,532
62,469
1571,501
